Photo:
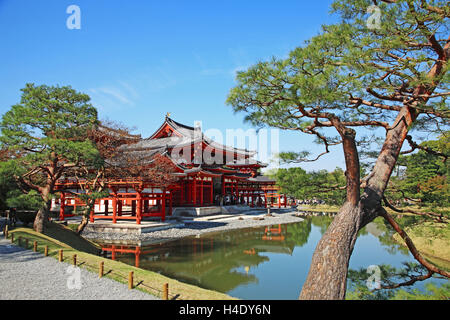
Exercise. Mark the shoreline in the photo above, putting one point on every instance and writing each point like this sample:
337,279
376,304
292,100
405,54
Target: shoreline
197,228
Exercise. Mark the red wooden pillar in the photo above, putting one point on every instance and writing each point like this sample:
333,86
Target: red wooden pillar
114,205
182,192
113,252
138,208
137,254
237,189
119,209
62,206
91,215
285,201
170,202
133,207
201,191
163,206
279,201
211,191
223,185
145,205
232,187
106,203
194,195
188,192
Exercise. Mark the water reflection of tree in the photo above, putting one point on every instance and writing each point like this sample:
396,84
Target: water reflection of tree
224,260
393,282
322,222
212,268
214,261
386,238
299,232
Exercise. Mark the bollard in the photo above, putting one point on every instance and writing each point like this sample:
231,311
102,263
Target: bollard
130,280
46,251
166,291
60,258
35,246
75,260
100,269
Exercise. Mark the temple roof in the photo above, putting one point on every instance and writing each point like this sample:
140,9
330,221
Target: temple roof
167,142
261,179
119,133
172,135
186,134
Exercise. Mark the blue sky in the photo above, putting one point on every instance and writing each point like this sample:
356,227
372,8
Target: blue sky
139,60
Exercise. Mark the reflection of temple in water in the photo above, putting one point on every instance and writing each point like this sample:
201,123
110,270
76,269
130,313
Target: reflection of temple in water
210,261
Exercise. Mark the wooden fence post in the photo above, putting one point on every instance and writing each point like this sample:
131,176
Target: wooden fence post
166,291
20,241
60,255
130,280
12,237
26,243
100,269
35,246
74,259
5,232
46,251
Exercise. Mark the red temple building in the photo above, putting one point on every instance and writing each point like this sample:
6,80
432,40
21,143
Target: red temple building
206,174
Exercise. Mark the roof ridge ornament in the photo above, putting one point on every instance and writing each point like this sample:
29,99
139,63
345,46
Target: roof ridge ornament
167,115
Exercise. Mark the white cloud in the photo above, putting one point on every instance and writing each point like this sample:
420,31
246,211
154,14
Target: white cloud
116,94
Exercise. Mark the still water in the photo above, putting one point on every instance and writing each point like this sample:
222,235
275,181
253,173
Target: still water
258,263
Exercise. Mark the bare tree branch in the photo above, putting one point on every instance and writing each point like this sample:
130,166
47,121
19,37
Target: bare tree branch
412,248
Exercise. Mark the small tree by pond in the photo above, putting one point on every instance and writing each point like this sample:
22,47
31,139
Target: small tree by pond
115,162
45,135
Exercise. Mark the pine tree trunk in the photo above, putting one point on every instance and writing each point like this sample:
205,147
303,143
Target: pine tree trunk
83,224
41,219
43,214
327,277
85,219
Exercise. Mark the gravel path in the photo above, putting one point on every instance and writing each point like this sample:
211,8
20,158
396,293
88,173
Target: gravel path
27,275
193,228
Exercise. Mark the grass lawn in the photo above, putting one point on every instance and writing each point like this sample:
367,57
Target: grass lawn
319,207
432,239
59,237
334,208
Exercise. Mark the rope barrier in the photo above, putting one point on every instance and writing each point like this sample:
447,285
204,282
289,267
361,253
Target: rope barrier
130,278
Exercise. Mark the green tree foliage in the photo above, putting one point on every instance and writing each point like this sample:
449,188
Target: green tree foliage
43,136
389,79
299,232
389,288
426,174
11,196
422,180
432,292
324,185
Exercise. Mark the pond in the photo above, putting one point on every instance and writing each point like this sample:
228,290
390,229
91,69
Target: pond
259,263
